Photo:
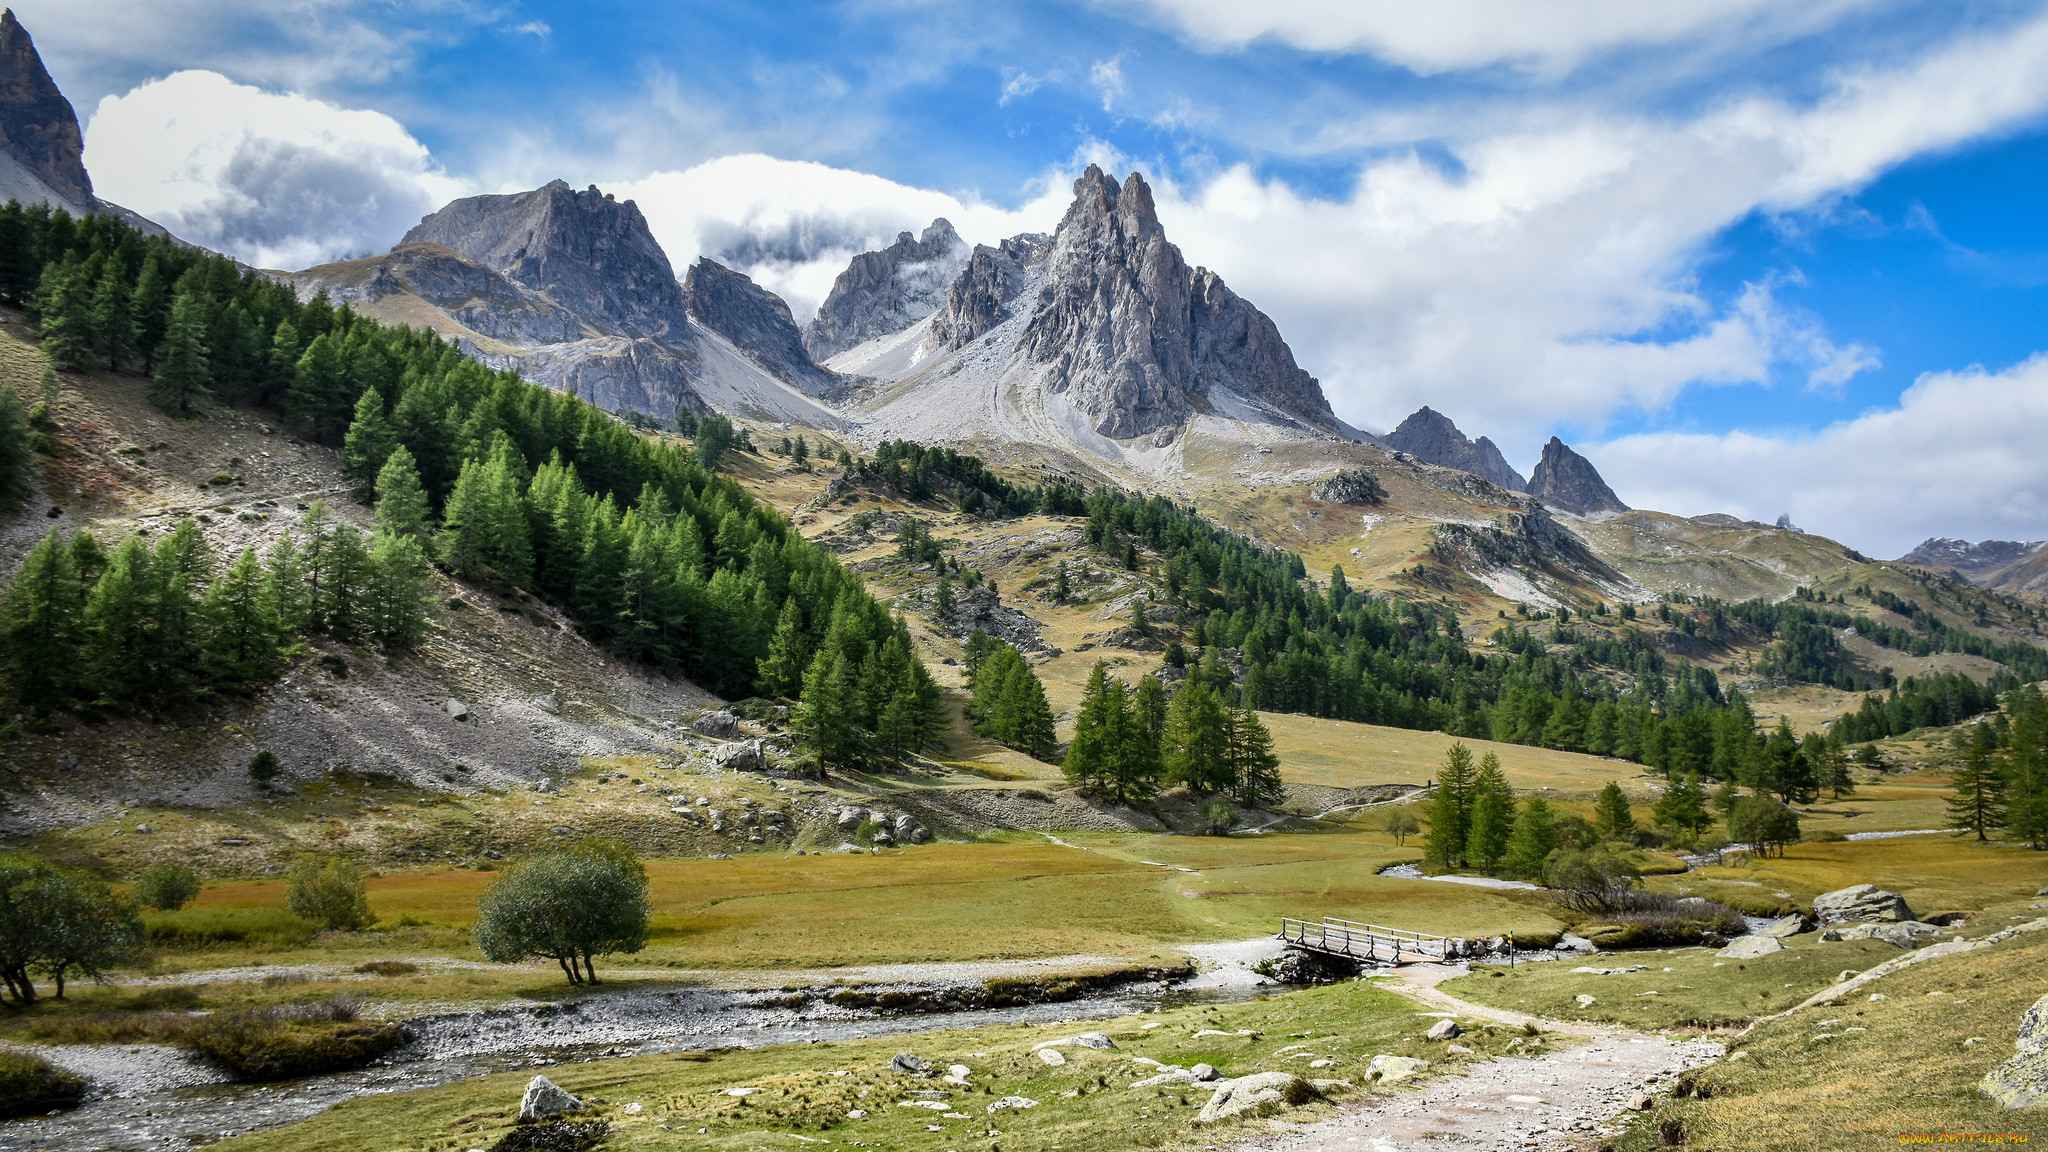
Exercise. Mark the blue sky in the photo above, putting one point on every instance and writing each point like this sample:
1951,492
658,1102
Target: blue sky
1732,251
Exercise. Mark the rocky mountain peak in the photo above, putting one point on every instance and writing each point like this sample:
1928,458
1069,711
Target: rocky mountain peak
1566,480
756,321
1136,338
38,127
888,290
587,251
1430,436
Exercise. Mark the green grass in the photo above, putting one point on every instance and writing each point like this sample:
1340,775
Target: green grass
1691,986
1084,1106
1934,873
1807,1082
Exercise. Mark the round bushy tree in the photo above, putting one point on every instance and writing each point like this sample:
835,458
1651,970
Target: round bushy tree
330,892
167,887
569,906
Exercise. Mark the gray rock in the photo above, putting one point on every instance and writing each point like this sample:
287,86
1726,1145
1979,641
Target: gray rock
544,1099
1751,947
1354,487
1444,1030
2022,1082
145,829
758,323
906,1062
720,725
1904,934
1390,1069
887,291
1564,479
1430,436
1261,1093
849,818
38,127
1860,903
907,829
1094,1040
1786,926
548,703
982,295
741,756
456,709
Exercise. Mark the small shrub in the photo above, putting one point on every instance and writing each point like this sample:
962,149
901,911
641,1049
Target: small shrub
1218,817
263,766
1826,836
554,1136
210,926
167,887
329,892
1299,1092
293,1040
388,968
30,1085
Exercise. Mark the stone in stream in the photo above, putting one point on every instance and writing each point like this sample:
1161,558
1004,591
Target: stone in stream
1751,948
1860,903
2022,1082
544,1099
1444,1030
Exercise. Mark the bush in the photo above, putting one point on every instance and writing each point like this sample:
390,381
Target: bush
1764,822
554,1136
570,906
330,892
1654,920
30,1085
388,967
293,1040
1598,879
213,925
167,887
263,766
1218,817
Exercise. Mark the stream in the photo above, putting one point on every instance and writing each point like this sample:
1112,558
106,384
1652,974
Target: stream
155,1097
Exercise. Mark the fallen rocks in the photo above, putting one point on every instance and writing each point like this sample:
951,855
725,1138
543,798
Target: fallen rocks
1860,904
543,1099
1751,947
719,725
1444,1030
742,756
2022,1082
1904,934
1262,1092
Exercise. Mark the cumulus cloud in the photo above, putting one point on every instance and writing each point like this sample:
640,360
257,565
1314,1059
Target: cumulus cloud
1450,35
793,225
1959,455
274,179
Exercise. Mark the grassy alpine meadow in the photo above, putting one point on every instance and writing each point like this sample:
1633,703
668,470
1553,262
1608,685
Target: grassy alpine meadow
1937,873
1341,754
804,1095
1900,1058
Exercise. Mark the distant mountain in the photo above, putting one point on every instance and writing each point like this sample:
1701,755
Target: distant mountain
1430,436
573,290
887,291
38,129
1566,480
2008,565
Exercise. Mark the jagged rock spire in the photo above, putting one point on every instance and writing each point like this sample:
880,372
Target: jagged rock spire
38,127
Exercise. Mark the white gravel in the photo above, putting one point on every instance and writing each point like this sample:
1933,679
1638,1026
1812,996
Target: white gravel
1229,965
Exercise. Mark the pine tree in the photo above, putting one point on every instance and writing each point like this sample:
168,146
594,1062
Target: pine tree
369,443
402,506
182,368
2026,762
149,308
1683,807
1978,786
1254,767
1611,815
243,632
1148,706
113,322
1451,812
63,307
397,590
285,568
1493,815
824,717
1062,591
1026,715
1196,747
1089,754
782,671
942,600
42,617
1135,766
119,641
17,450
1534,838
484,529
1140,622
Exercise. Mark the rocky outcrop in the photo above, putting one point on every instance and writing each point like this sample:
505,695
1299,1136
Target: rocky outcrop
2022,1082
1566,480
887,291
981,296
38,127
2007,565
1354,487
474,296
757,322
1429,436
586,251
1134,337
1860,904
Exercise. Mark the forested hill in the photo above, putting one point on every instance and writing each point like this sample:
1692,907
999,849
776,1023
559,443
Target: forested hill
518,487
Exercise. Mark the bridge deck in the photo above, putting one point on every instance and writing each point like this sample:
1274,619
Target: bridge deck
1374,943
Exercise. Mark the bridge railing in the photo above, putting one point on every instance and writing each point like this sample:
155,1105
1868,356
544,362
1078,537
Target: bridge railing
1360,941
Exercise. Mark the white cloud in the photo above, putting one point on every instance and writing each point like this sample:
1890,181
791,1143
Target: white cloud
1108,78
276,180
1960,455
1451,35
793,225
1017,84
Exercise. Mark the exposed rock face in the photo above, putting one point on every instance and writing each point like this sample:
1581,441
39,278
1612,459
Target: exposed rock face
37,125
887,291
1136,338
473,295
980,297
2011,565
1564,479
1355,487
586,251
757,322
1430,436
2022,1082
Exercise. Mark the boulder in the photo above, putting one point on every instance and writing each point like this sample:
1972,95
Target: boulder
1444,1030
1860,904
1012,1102
1261,1092
720,725
549,703
1903,934
742,756
1094,1040
1391,1069
1051,1057
1751,947
849,818
905,1062
2022,1082
456,709
1785,926
544,1099
908,830
1205,1073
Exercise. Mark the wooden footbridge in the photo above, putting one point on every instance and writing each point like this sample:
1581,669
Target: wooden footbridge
1368,943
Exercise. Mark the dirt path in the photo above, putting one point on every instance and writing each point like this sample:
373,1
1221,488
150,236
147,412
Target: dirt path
1513,1104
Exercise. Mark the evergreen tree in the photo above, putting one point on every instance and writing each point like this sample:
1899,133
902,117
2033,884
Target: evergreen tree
369,443
824,717
1683,807
2026,756
113,322
782,670
1612,818
1534,838
149,306
396,591
17,450
484,530
1196,747
1090,754
43,621
1255,770
1148,706
402,506
1062,591
243,632
1451,811
942,599
1025,714
1764,822
286,571
1140,622
1977,803
120,642
182,368
63,307
1493,815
